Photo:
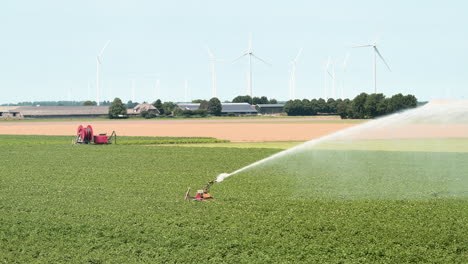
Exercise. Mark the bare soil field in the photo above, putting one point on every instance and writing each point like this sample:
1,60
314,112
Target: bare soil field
238,130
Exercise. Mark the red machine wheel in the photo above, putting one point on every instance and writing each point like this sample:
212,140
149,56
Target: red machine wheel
78,131
90,133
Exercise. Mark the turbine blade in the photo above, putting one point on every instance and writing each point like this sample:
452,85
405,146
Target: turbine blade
105,46
328,62
362,46
345,62
380,55
331,75
298,54
209,52
238,58
267,63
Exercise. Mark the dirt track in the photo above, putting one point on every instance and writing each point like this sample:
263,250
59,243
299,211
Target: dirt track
236,130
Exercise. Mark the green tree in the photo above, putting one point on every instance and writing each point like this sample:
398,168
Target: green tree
294,107
260,100
89,103
203,105
214,106
410,101
331,105
158,104
273,101
343,108
357,106
131,104
242,99
314,106
375,105
396,103
117,109
168,108
321,106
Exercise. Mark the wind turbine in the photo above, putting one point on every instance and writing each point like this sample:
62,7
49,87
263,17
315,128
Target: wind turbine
325,77
98,64
376,52
292,80
156,89
328,74
186,91
332,76
133,90
250,54
345,64
213,61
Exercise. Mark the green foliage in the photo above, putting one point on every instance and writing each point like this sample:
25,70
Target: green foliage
294,107
242,99
117,109
260,100
89,103
203,105
361,107
273,101
214,106
124,204
344,108
168,108
147,115
191,113
158,104
131,104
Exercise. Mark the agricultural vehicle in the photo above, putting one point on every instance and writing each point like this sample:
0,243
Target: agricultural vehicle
202,195
85,135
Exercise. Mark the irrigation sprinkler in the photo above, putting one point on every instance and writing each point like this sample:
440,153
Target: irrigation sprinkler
85,135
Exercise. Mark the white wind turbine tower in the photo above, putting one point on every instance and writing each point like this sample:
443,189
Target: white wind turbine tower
98,68
250,53
376,52
156,90
186,91
213,61
133,90
325,78
332,76
292,79
345,64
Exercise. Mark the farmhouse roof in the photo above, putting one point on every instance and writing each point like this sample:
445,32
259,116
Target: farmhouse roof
8,108
270,105
238,108
62,110
144,107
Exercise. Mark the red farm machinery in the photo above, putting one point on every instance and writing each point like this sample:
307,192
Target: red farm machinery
85,135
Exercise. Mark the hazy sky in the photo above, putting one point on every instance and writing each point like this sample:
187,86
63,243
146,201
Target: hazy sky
48,48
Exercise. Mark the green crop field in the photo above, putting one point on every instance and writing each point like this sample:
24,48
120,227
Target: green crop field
124,204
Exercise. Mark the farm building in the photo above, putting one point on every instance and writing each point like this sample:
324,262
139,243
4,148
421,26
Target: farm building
144,107
227,108
270,109
238,109
191,107
9,112
56,111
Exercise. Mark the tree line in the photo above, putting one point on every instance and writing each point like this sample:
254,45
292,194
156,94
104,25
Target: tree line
213,107
207,107
361,107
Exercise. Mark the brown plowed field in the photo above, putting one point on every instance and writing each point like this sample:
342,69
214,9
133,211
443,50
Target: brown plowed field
236,130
